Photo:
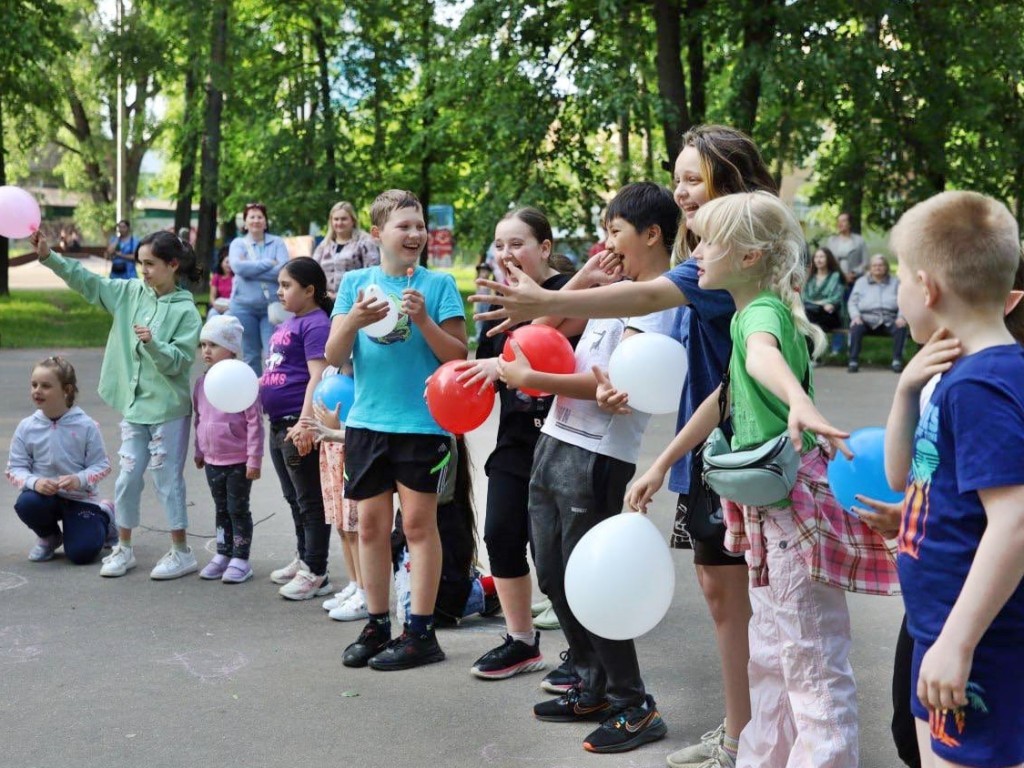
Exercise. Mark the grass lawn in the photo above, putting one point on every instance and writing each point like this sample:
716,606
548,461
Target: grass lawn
51,319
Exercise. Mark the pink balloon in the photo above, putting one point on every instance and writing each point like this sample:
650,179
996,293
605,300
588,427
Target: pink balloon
19,213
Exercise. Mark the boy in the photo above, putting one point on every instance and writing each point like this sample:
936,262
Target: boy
392,442
583,461
961,541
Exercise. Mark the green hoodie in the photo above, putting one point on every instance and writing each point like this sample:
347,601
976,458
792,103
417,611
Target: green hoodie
146,383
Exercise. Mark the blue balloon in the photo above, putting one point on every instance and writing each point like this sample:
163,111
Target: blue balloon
865,474
334,390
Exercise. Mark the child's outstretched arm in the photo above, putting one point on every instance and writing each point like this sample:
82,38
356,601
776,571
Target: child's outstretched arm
448,340
766,364
995,574
934,358
93,288
693,433
518,374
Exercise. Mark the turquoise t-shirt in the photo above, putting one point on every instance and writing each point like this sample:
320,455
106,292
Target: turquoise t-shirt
757,414
391,371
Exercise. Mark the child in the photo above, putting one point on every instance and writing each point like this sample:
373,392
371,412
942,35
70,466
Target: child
145,375
804,550
584,458
230,447
961,558
220,285
294,367
392,442
57,459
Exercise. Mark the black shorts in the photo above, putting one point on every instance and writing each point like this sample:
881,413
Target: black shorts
711,553
376,462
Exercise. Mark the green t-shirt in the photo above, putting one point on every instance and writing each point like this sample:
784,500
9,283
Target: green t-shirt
757,414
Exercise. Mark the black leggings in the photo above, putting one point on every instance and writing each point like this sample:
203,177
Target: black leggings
507,526
904,731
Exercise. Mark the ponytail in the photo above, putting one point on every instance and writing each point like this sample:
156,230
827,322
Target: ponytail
307,272
169,247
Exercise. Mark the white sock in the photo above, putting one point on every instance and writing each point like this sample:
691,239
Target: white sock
523,637
360,594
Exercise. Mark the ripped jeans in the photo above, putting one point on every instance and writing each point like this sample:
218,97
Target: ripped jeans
163,448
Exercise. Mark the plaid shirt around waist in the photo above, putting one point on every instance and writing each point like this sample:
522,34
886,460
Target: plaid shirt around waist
839,549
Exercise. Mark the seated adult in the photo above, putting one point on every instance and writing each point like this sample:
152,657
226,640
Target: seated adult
823,291
874,312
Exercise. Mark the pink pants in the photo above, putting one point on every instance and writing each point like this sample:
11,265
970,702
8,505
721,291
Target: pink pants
803,697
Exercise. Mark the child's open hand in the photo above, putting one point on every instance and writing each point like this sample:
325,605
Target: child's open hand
602,268
478,372
643,490
804,416
367,311
608,397
884,519
39,244
942,681
328,418
516,372
518,301
935,357
414,305
46,486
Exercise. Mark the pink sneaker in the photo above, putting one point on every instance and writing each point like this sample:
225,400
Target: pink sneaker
215,568
237,572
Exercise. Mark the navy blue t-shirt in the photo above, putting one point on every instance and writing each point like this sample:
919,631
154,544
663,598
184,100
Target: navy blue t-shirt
970,437
703,328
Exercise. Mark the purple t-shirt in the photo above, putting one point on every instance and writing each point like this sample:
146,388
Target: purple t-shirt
285,373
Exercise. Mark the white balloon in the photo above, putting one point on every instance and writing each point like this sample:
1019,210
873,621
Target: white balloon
651,369
620,577
387,324
231,386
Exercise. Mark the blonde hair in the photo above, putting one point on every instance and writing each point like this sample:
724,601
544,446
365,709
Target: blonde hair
390,201
969,240
759,221
350,209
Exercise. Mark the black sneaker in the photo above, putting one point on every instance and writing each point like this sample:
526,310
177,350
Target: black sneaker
508,659
572,708
563,678
371,641
407,651
897,366
853,366
628,729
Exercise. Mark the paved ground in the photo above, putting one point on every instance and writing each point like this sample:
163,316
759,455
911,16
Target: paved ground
132,672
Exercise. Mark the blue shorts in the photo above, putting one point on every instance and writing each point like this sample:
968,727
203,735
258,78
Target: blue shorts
989,731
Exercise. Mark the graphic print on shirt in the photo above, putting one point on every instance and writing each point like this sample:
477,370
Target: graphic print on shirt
915,504
939,719
403,328
281,338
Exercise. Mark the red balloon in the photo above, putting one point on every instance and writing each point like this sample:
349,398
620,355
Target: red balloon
457,408
547,350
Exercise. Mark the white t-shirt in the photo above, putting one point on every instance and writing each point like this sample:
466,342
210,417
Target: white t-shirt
582,422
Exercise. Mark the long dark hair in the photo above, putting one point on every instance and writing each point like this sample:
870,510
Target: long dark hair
307,272
831,262
169,247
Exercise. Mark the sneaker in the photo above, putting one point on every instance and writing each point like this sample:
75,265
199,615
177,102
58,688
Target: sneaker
548,619
571,707
238,571
306,585
508,659
897,366
370,642
407,651
215,568
286,574
174,565
340,597
560,680
353,609
539,607
628,729
120,560
696,754
45,547
720,759
853,367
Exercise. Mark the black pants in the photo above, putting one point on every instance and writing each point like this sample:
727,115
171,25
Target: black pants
230,491
904,732
860,330
300,484
571,491
827,321
507,525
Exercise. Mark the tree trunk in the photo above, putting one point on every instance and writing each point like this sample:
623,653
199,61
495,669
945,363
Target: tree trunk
671,82
429,115
329,138
758,29
209,182
5,244
189,149
695,59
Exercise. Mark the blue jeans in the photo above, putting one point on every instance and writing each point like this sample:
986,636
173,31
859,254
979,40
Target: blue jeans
230,491
256,330
163,448
85,524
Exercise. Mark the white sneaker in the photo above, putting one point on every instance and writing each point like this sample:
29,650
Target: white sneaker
174,565
306,585
698,754
118,562
286,574
353,609
720,759
340,597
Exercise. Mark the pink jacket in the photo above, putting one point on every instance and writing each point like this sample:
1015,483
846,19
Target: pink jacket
227,438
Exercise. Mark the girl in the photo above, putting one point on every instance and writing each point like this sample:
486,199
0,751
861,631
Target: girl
524,238
57,459
803,551
230,447
346,247
823,293
294,366
220,285
145,376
